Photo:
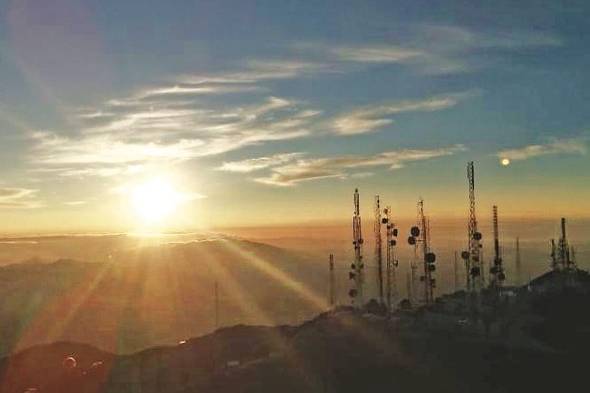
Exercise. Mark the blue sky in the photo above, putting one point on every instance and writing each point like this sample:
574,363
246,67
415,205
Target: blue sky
259,109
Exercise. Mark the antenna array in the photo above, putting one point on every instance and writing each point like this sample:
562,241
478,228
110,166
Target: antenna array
391,261
472,255
378,248
497,270
420,234
357,268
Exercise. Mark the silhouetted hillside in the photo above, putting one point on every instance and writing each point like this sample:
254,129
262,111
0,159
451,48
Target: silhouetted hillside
156,294
339,351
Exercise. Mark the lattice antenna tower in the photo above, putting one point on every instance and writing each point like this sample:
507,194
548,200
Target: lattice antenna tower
518,263
391,263
456,271
564,260
357,268
332,292
378,249
497,274
418,238
553,255
472,255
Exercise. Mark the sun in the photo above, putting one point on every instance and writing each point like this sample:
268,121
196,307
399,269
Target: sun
155,200
505,161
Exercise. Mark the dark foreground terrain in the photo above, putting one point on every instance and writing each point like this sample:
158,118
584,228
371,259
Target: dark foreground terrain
133,295
538,342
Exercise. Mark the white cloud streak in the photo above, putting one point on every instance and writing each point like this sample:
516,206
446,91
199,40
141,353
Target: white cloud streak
18,198
441,49
376,54
256,164
302,170
369,119
557,146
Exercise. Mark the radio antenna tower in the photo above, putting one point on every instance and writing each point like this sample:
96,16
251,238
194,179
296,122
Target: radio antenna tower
517,263
554,264
472,256
357,267
216,290
497,275
378,249
564,260
391,261
332,293
456,271
420,234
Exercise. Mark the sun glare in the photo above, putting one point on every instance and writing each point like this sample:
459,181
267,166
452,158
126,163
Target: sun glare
155,200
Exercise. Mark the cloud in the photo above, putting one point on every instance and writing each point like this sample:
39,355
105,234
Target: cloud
255,164
75,203
440,49
18,198
557,146
376,54
260,70
173,122
340,166
368,119
166,133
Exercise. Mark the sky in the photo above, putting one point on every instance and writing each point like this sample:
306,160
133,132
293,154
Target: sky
251,113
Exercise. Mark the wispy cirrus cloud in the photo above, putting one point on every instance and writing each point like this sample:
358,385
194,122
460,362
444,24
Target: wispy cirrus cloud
168,132
442,49
18,198
370,118
301,170
556,146
261,70
173,122
255,164
376,53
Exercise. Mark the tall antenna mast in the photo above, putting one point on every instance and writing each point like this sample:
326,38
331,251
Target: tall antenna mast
419,234
456,271
332,299
216,305
378,249
518,263
563,250
554,264
410,286
497,270
356,274
391,262
473,255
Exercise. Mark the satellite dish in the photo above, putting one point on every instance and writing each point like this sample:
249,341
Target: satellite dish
70,362
395,232
415,231
412,240
465,255
477,235
430,257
